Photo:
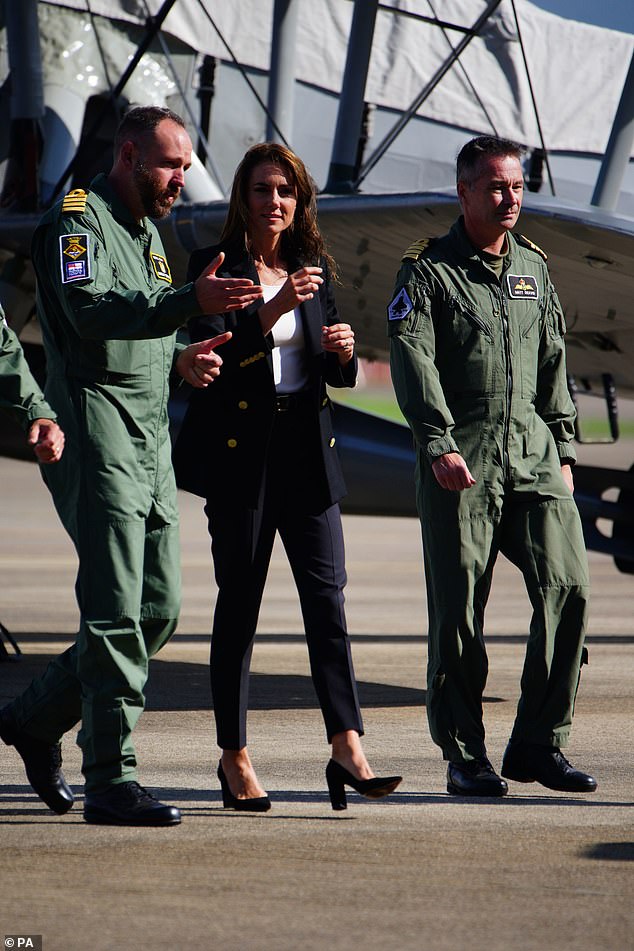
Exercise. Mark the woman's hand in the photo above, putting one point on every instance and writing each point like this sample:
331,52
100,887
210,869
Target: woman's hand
297,288
339,339
198,364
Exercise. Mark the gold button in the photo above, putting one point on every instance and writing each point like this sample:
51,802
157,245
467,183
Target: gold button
232,443
242,404
332,442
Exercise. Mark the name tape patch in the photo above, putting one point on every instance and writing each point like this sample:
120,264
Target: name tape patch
522,286
74,257
400,307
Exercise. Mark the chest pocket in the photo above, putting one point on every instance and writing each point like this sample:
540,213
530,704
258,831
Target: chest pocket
130,358
465,350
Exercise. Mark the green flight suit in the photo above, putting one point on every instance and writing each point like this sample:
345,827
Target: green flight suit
109,315
478,365
19,391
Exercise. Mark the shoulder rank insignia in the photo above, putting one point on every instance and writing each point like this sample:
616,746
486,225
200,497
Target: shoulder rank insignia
526,243
74,257
75,201
415,250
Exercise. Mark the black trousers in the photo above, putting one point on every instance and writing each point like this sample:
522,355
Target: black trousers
242,541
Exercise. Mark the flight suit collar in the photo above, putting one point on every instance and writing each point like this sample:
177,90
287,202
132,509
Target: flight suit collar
102,187
466,249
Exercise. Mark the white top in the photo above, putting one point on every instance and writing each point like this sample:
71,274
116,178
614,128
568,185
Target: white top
289,359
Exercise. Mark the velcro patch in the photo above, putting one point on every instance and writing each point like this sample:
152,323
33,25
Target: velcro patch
522,286
400,307
161,267
74,257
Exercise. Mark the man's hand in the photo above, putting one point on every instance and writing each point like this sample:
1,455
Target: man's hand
216,295
452,473
566,472
198,364
47,440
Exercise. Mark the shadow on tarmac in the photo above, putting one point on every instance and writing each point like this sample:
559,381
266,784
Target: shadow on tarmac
209,801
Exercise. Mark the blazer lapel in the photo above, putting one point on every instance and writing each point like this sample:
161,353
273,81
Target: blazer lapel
312,324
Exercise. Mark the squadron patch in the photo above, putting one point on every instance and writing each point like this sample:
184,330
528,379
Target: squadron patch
161,267
400,307
74,257
522,286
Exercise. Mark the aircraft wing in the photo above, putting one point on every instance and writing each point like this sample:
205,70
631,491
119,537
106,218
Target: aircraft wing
590,256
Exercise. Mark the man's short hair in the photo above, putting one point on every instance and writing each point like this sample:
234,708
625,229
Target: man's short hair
483,146
141,120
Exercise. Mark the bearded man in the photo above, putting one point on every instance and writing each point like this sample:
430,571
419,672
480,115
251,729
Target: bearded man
109,314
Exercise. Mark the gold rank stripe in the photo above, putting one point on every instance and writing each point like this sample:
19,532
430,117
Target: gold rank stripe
75,201
416,249
522,239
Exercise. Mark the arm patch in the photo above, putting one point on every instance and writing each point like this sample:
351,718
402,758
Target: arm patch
400,306
74,257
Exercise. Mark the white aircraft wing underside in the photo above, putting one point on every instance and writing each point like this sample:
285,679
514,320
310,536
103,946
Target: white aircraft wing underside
590,256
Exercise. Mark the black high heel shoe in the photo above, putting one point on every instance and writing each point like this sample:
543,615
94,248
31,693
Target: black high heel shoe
338,778
229,801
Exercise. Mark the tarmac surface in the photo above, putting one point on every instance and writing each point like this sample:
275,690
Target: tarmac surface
420,870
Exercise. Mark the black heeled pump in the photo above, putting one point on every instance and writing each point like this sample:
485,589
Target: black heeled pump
229,801
338,778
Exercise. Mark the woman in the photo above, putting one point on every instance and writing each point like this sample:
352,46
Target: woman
258,445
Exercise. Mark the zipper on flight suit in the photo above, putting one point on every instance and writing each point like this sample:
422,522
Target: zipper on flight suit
508,394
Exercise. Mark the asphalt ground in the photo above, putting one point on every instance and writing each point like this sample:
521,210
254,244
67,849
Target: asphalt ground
420,870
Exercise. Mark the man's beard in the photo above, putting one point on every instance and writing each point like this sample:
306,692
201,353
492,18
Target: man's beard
154,199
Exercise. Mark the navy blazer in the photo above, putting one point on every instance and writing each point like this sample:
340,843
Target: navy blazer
222,445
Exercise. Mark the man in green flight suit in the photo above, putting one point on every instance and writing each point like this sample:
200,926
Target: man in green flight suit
109,315
478,365
21,395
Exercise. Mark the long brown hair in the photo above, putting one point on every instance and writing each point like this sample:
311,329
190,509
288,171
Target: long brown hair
302,241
